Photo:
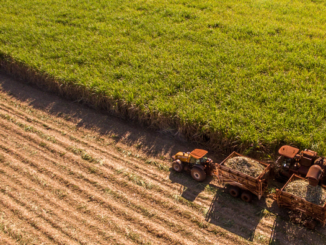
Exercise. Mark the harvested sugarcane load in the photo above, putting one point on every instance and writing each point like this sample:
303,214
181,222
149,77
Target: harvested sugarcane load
301,188
299,196
245,165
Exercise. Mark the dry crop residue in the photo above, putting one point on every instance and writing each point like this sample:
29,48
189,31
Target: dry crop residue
245,165
301,188
67,181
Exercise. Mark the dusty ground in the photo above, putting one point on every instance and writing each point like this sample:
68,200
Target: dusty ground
70,175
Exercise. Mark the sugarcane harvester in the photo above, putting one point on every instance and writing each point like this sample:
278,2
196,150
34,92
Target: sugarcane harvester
306,164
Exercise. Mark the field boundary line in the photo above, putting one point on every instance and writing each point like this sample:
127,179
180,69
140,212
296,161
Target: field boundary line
154,119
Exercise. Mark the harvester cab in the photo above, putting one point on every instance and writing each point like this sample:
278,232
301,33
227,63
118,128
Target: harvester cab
305,163
196,163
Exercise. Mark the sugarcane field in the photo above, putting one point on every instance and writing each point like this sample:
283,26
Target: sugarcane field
163,122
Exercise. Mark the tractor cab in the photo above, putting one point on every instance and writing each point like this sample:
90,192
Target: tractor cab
197,156
194,162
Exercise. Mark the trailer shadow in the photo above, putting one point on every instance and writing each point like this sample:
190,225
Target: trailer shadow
283,229
231,214
235,215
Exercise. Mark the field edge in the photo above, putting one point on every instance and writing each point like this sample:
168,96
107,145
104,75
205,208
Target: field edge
217,141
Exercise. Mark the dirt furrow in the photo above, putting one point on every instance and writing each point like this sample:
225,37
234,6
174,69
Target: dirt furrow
67,148
74,136
81,197
89,193
75,211
188,215
195,219
43,212
7,240
88,211
139,167
172,206
42,204
17,231
99,150
135,165
34,221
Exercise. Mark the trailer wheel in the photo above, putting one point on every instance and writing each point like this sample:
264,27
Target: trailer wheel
178,167
246,196
234,191
198,174
310,224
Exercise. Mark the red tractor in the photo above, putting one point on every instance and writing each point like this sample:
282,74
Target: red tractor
196,163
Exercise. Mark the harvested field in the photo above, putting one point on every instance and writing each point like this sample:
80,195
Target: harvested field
301,188
245,165
69,175
213,70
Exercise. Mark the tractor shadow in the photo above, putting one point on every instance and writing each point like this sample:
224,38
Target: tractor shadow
189,188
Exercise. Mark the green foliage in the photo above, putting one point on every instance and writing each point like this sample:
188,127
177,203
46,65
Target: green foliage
250,70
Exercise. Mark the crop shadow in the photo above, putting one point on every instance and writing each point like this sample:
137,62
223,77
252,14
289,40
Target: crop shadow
152,142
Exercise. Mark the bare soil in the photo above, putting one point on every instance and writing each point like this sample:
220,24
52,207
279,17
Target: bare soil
73,175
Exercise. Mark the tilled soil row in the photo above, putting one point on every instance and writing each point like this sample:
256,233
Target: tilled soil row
47,204
69,186
46,188
15,229
244,220
80,174
123,183
173,205
135,164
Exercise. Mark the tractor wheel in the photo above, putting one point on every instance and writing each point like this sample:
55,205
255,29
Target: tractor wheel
246,196
234,191
178,167
198,174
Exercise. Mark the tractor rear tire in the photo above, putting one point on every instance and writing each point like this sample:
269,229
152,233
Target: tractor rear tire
246,196
178,167
234,191
198,174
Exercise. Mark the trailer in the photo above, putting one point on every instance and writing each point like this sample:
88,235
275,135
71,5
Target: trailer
310,210
242,184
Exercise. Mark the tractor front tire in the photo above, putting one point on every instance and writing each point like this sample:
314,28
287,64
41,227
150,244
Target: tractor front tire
178,167
198,174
